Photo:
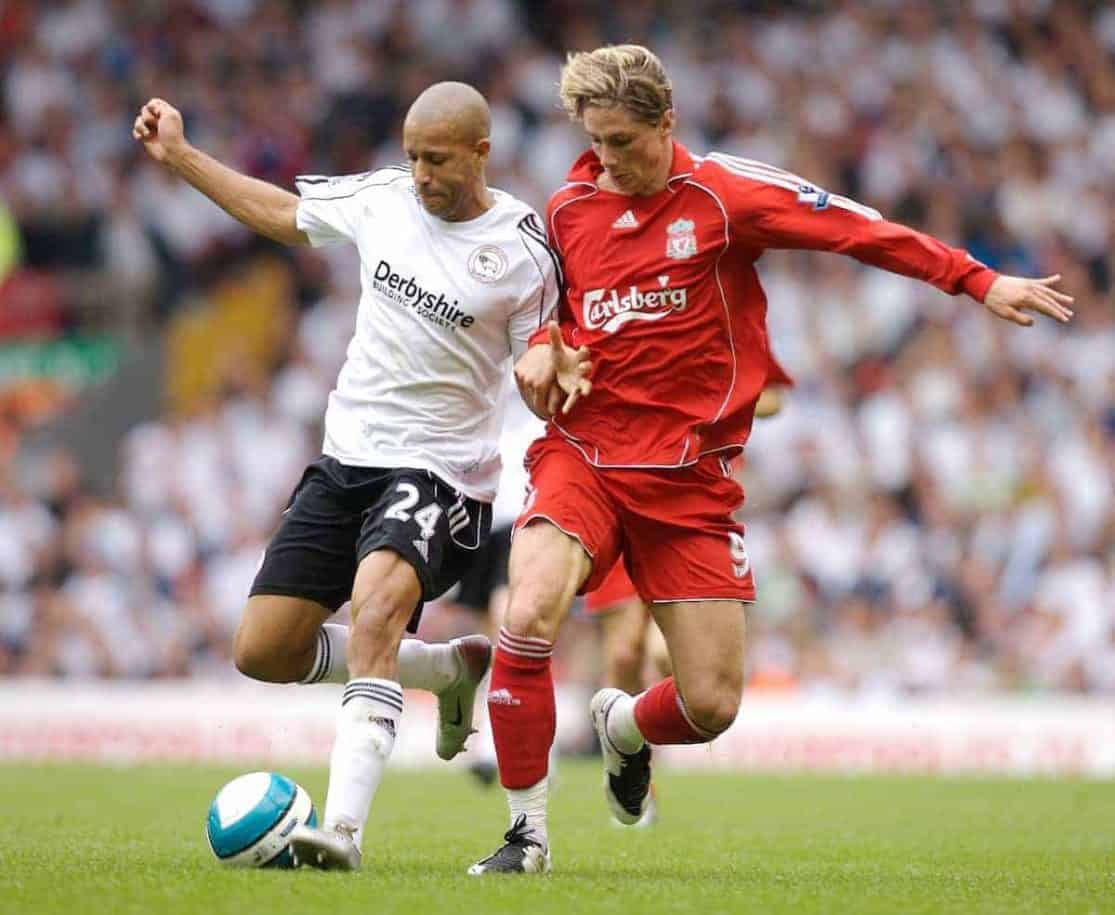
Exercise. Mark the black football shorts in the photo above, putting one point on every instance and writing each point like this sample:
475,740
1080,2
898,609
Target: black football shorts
338,514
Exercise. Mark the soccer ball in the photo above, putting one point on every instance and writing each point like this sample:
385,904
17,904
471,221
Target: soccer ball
251,818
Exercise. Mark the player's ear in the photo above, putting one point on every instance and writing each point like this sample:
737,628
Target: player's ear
666,123
482,148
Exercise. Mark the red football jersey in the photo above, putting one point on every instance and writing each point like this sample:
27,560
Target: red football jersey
663,290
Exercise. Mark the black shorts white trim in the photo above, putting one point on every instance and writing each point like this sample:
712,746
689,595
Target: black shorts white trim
339,514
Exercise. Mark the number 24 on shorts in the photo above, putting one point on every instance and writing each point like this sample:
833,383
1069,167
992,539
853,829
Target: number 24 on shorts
426,517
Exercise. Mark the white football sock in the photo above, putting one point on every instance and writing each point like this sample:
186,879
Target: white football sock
552,779
421,665
483,748
622,730
531,802
329,659
425,666
370,713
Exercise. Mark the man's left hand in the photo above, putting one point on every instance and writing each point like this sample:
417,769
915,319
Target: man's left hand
1011,296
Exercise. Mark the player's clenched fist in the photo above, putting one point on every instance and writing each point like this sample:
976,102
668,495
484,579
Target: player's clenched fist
158,126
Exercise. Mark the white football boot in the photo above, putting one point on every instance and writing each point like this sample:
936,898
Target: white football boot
328,849
626,775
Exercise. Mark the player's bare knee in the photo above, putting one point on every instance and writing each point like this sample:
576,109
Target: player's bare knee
546,568
625,665
260,661
535,609
245,656
531,618
276,639
714,708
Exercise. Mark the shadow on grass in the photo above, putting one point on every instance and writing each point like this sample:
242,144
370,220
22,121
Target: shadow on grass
610,871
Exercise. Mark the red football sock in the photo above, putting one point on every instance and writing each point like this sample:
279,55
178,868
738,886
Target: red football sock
521,709
661,717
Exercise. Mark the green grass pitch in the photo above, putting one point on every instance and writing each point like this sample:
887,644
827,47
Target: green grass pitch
83,839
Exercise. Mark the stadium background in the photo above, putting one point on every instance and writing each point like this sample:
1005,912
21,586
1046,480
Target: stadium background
932,514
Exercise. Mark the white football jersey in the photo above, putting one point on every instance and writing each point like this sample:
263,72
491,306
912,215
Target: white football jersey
443,307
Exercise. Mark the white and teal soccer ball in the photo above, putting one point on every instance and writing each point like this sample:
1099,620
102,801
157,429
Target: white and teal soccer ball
251,818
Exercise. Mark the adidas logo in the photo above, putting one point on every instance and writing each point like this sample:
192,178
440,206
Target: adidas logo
423,548
386,723
626,221
502,697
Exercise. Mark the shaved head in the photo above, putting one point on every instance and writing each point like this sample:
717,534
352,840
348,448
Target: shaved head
445,136
455,110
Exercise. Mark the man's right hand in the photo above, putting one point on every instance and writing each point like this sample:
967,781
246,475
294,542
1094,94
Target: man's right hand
553,376
158,126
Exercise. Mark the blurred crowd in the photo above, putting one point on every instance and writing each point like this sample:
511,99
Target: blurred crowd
934,509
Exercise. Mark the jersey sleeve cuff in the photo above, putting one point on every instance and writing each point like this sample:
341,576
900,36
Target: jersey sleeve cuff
542,335
978,282
307,225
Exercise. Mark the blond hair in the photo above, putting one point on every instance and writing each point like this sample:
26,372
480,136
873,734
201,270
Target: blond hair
625,75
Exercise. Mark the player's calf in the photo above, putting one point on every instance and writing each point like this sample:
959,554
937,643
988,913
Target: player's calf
662,717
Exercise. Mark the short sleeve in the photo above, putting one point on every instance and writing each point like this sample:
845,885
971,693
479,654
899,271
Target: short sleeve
332,208
538,301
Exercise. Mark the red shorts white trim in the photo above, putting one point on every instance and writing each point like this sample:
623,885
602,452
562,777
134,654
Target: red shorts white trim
674,527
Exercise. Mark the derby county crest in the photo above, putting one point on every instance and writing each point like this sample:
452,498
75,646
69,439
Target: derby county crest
487,264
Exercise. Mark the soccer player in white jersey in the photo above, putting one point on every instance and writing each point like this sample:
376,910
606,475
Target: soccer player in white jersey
455,276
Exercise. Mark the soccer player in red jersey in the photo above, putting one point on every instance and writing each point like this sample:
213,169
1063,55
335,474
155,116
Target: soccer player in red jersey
659,248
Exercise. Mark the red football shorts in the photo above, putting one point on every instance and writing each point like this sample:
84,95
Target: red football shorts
617,588
674,526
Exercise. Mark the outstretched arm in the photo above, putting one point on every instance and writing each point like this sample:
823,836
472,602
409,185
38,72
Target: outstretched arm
262,207
771,208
